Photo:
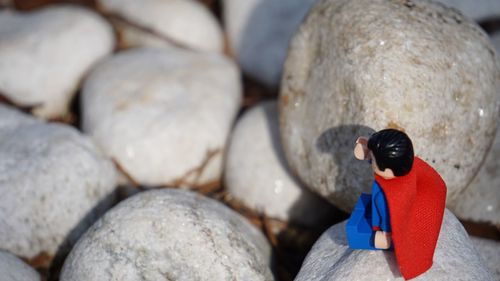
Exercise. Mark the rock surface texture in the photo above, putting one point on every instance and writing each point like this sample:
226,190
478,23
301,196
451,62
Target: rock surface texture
163,115
184,23
489,251
480,201
14,269
169,235
331,259
352,69
259,32
44,55
257,175
54,184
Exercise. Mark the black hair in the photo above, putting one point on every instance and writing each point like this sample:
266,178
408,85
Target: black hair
392,149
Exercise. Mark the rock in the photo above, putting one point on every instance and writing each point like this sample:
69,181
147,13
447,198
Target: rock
169,234
480,201
13,269
259,32
54,183
352,69
331,259
256,173
163,115
44,54
489,251
185,23
476,10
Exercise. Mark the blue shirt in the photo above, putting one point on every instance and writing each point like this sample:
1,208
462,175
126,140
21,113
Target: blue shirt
380,209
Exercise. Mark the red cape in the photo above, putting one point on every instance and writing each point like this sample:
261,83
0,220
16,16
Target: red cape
416,205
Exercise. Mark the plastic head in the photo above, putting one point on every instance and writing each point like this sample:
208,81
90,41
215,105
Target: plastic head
392,149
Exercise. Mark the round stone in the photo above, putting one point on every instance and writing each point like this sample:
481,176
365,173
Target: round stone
54,184
477,10
169,234
360,66
489,250
454,259
44,54
14,269
163,115
259,32
257,175
185,23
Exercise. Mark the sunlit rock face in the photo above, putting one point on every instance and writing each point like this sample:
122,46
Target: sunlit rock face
356,67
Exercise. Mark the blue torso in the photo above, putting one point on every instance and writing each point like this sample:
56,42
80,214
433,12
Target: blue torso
380,209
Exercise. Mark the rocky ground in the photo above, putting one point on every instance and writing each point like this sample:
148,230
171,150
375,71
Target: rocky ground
211,139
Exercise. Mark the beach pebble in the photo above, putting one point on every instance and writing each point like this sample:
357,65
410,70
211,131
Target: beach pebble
170,234
185,23
477,10
259,32
356,67
480,202
45,53
257,175
163,114
489,250
14,269
454,259
54,183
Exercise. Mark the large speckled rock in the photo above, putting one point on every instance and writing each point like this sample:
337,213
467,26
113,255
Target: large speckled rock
257,175
14,269
477,9
44,55
163,114
259,32
54,183
489,250
165,23
454,259
169,235
360,66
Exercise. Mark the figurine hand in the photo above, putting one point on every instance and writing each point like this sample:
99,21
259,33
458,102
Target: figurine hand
382,240
361,148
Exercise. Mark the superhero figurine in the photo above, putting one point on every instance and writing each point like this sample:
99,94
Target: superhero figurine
405,210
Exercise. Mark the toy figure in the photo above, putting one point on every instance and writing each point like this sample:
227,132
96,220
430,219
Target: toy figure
405,210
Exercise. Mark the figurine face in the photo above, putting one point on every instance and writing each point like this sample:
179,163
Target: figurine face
361,152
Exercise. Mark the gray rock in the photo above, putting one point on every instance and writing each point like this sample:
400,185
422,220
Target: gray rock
360,66
169,235
14,269
54,183
259,32
489,251
159,23
163,115
480,201
257,175
454,259
44,54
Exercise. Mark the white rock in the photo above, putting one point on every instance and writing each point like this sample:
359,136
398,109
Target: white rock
165,22
259,32
331,259
477,10
481,200
362,65
163,115
257,175
44,55
489,251
53,183
169,234
14,269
